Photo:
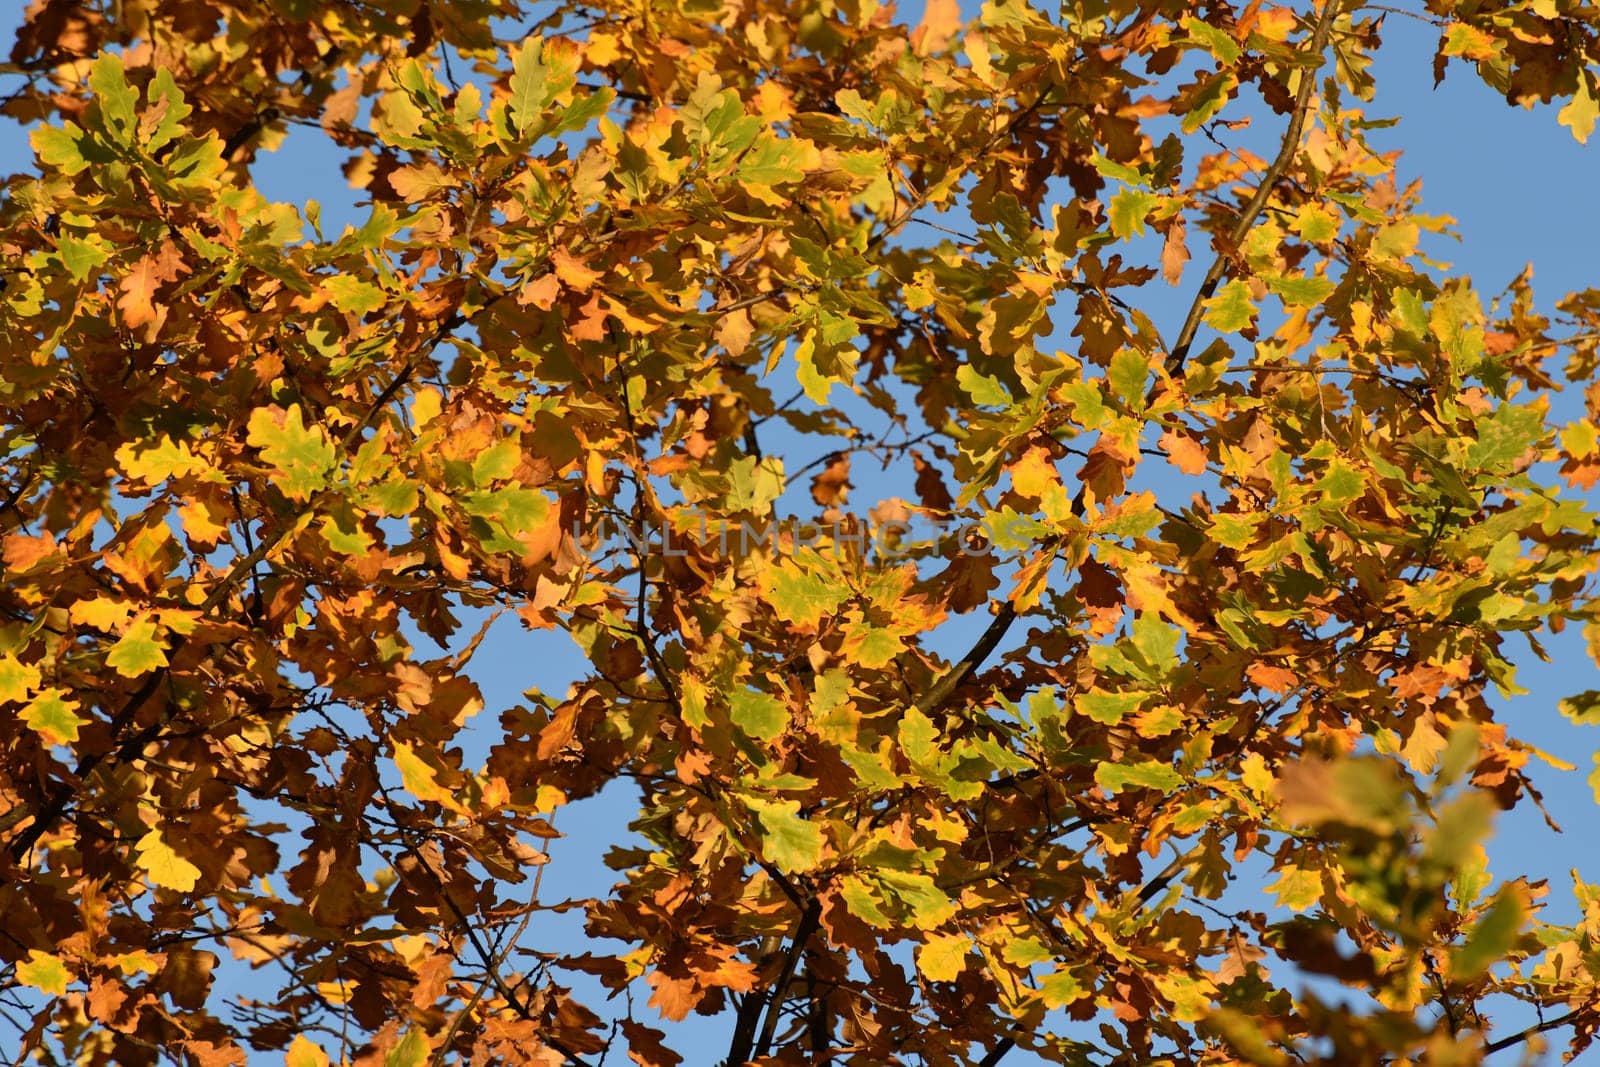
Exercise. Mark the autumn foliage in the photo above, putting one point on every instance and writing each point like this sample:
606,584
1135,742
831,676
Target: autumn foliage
999,667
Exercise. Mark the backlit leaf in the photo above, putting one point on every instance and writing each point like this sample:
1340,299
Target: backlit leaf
792,842
798,596
1301,292
305,1053
53,717
60,147
1129,208
418,777
45,972
1582,110
1108,707
412,1051
1297,888
1493,934
17,679
760,716
303,456
1505,435
1231,310
942,957
165,867
1061,989
117,101
1115,777
983,388
542,72
138,651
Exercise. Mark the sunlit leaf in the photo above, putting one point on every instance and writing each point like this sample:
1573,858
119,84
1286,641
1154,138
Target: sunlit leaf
165,867
45,972
138,651
789,840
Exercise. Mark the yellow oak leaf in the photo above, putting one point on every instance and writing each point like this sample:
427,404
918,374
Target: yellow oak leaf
420,779
166,868
303,1052
572,272
107,614
942,957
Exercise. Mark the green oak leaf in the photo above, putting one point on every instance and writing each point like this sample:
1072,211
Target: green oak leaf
137,651
760,716
982,388
1304,291
1129,208
352,295
1157,642
1493,934
1108,708
1127,374
1341,483
541,72
790,842
1297,888
799,596
61,147
1115,777
1504,435
303,456
1231,310
116,99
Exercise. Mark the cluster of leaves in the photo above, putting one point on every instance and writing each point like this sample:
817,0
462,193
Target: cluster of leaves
249,468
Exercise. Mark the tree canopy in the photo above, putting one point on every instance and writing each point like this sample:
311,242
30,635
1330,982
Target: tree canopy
1003,669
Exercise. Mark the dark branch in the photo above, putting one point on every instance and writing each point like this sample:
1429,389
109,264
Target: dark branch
1263,193
998,1053
1523,1035
797,947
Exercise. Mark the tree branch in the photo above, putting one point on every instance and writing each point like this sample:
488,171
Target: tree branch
745,1044
1252,210
486,957
797,946
963,669
47,815
998,1053
1538,1028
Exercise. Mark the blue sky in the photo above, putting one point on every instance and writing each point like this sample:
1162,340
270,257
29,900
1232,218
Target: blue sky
1521,191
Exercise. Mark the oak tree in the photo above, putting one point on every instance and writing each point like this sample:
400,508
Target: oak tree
1001,666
